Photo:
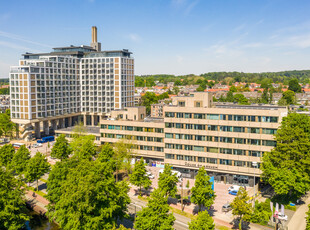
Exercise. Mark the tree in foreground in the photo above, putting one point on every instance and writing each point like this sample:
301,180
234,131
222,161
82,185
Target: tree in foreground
156,214
241,207
123,153
202,193
36,168
106,153
12,205
308,218
6,154
61,149
139,177
287,167
167,182
90,198
20,160
203,221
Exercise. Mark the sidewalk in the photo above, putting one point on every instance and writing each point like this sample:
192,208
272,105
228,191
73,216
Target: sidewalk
37,202
298,221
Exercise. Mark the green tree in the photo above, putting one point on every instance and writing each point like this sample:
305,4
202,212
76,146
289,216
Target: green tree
123,153
294,86
167,182
6,154
20,160
106,153
6,125
90,199
230,97
37,166
61,149
308,218
203,221
240,99
12,204
87,150
287,167
202,193
241,207
148,99
56,178
139,177
289,97
262,212
156,214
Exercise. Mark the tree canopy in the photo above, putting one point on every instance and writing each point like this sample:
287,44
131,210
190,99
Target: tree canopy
203,221
61,148
20,160
294,86
6,154
202,193
12,205
37,166
90,198
287,167
241,207
167,182
156,214
138,176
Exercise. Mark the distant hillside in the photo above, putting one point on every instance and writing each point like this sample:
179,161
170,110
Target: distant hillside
303,76
4,81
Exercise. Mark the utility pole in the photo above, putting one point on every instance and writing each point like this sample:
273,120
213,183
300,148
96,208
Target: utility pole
182,194
254,163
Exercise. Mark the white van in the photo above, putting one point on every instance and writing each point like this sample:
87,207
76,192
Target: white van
234,188
177,173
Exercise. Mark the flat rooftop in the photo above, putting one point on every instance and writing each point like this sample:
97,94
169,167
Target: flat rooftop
252,106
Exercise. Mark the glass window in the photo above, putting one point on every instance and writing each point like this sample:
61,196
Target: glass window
226,139
239,152
239,129
188,115
169,125
178,146
199,116
254,130
189,126
213,116
212,127
202,159
269,131
189,158
240,140
254,141
169,146
169,114
251,118
212,149
212,160
225,162
199,127
188,147
226,128
139,129
188,137
239,118
129,128
255,153
226,151
199,148
200,138
180,157
169,156
179,136
269,143
179,125
240,163
180,115
169,135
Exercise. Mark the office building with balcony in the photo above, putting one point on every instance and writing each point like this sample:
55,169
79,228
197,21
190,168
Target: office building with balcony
70,84
224,138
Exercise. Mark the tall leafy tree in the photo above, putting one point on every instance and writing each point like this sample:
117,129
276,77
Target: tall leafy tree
139,177
36,167
90,199
61,148
156,214
12,205
287,167
106,153
6,154
6,125
240,99
87,150
167,182
203,221
241,207
56,177
20,160
294,86
202,193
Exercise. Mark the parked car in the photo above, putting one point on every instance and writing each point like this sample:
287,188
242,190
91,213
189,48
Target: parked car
150,175
185,201
35,145
234,187
226,207
233,192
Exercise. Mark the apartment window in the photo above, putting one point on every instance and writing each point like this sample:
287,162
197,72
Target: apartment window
226,151
255,153
179,136
159,130
268,119
254,130
212,149
225,162
140,138
240,163
188,137
139,129
254,142
226,139
198,104
199,116
269,143
240,140
129,128
189,158
226,128
213,117
169,146
179,115
200,138
212,160
179,125
223,117
239,118
169,125
251,118
188,147
188,115
188,126
202,159
181,103
180,157
199,148
212,127
199,127
239,129
269,131
169,114
178,146
239,152
169,156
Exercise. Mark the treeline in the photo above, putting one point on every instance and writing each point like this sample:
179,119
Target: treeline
284,77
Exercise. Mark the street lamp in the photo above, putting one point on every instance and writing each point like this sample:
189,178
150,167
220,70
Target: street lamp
181,193
254,163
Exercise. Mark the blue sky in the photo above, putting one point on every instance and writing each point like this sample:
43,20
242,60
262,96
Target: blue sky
165,36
